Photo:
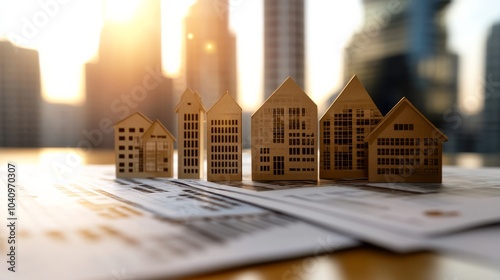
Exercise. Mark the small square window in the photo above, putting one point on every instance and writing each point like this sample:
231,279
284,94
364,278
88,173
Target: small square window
131,129
121,129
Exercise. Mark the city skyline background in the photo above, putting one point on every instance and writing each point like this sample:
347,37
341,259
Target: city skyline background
467,22
67,36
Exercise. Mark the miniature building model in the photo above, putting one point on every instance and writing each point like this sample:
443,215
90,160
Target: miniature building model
284,136
224,157
190,115
143,148
343,128
405,147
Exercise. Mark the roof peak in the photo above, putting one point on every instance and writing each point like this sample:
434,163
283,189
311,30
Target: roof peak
133,114
225,96
396,110
354,92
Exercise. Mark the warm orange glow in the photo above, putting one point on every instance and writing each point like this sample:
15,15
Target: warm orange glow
120,10
190,36
210,47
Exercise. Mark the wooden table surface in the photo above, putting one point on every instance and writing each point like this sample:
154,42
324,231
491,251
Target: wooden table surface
364,262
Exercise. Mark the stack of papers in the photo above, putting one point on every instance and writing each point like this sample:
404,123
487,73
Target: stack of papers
92,225
461,215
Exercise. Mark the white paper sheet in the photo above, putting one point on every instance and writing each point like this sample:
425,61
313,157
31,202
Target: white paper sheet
96,227
399,220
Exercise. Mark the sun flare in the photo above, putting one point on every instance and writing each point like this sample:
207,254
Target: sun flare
120,10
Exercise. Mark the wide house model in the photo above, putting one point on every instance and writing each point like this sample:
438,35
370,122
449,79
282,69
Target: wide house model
405,147
190,118
143,148
343,128
224,161
284,136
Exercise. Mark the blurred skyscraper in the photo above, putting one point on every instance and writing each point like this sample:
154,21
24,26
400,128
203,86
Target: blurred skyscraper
210,60
401,51
127,75
61,124
19,96
490,138
284,46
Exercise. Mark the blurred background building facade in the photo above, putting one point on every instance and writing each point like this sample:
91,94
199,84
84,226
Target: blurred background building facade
490,136
402,51
210,58
20,96
127,75
284,43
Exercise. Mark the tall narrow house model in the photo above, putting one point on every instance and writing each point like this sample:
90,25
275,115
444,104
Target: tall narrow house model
343,128
224,140
284,136
143,148
190,116
405,147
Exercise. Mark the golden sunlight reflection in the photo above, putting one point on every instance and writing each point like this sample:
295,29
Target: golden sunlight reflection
50,156
469,160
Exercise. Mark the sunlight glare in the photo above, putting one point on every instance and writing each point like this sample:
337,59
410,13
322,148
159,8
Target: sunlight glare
120,10
65,40
173,12
210,47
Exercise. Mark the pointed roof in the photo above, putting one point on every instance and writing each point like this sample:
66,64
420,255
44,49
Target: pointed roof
353,93
198,96
225,99
288,85
190,95
403,105
136,114
155,127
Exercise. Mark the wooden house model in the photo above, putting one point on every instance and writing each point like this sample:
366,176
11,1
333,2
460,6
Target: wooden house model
284,136
342,131
224,155
190,121
143,148
405,147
